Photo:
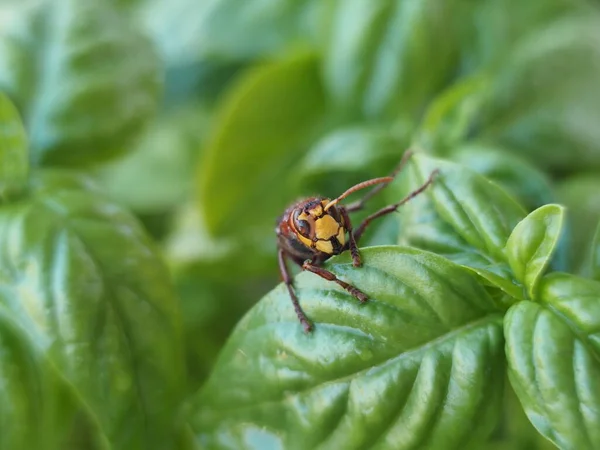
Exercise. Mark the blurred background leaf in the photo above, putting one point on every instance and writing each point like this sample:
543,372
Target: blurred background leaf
83,78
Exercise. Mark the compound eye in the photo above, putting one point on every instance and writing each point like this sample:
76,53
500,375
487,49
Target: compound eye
302,226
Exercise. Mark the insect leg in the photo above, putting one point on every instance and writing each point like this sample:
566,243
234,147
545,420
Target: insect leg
323,273
359,204
287,279
391,208
356,262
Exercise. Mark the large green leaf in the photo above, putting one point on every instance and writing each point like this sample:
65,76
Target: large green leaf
418,366
532,243
463,216
259,135
14,156
83,79
87,290
388,57
553,350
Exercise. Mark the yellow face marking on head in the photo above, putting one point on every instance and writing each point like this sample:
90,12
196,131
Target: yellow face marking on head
326,227
341,236
325,247
304,240
316,211
303,216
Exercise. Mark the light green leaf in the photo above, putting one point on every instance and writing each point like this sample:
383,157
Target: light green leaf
158,174
89,293
553,350
14,156
388,57
418,366
532,243
259,135
187,31
83,79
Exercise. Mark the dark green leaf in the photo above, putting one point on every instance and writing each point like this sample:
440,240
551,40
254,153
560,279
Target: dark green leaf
418,366
259,135
388,57
553,350
82,281
532,243
83,79
14,156
595,255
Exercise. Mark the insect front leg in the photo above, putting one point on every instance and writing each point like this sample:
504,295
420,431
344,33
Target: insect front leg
392,208
326,274
356,261
287,279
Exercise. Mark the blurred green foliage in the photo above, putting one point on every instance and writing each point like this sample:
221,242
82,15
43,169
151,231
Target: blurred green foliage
196,122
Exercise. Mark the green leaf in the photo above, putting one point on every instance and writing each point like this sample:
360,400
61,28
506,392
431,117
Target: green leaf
89,293
418,366
537,103
259,135
158,173
83,79
553,350
517,176
187,31
14,156
481,212
349,155
33,410
462,216
595,255
532,243
579,195
387,57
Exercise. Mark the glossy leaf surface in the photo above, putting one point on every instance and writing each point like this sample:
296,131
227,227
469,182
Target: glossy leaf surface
14,156
417,366
386,58
260,133
83,78
553,350
532,243
82,282
462,216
